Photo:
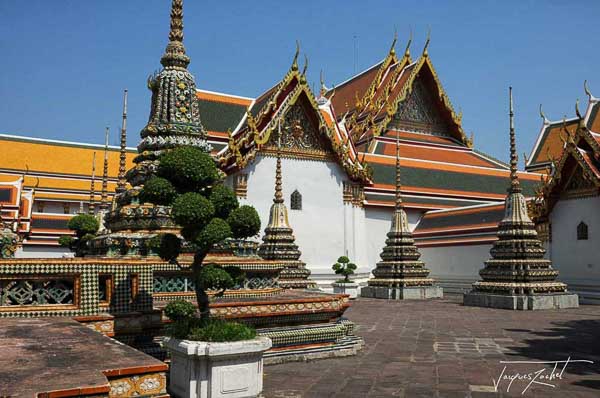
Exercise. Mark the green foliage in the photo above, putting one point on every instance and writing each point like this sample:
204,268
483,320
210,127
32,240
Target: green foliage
180,310
236,274
344,267
216,231
244,222
83,224
188,168
217,330
167,246
224,201
192,209
212,276
66,241
157,190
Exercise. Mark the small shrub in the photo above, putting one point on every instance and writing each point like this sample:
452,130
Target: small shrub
84,224
192,209
244,222
188,168
216,231
344,267
66,241
212,276
180,310
157,190
224,201
220,331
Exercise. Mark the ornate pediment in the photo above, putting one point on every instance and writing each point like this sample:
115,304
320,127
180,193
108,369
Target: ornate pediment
420,112
579,185
299,135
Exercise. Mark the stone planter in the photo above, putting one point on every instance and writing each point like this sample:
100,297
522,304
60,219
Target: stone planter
346,288
209,370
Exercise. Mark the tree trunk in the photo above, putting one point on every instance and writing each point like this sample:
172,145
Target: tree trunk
201,296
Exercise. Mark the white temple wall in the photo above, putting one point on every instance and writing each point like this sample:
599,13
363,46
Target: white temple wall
42,252
577,261
319,226
455,267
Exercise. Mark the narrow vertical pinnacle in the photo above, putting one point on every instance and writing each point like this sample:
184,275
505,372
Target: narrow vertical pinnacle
91,205
398,194
174,55
514,178
278,185
121,184
104,200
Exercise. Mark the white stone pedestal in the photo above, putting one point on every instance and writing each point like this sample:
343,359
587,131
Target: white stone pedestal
533,302
346,288
210,370
403,293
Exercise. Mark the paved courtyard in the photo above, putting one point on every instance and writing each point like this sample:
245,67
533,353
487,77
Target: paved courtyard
442,349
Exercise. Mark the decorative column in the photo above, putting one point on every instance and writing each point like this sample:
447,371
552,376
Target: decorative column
518,277
400,275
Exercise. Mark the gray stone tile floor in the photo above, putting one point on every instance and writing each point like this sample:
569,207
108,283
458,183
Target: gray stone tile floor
439,348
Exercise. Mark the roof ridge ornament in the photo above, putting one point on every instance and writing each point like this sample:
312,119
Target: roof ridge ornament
303,74
543,116
393,46
427,40
295,61
577,112
410,38
588,92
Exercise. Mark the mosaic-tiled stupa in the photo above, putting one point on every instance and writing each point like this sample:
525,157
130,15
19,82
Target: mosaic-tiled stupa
279,241
174,121
518,276
401,274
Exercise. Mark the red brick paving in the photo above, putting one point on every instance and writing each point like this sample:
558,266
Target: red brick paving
441,349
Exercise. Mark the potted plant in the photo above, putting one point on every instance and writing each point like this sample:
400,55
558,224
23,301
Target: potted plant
346,286
210,358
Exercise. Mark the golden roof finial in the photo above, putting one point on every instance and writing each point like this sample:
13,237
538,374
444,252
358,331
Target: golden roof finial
543,116
577,109
587,91
514,159
295,61
393,46
303,75
410,38
425,53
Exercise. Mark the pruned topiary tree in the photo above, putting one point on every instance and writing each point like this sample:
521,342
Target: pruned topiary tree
207,211
344,267
85,227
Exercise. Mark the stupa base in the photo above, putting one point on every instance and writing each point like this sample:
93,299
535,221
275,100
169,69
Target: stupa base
402,293
522,302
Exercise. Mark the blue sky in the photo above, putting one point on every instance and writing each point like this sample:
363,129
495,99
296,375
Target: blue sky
66,62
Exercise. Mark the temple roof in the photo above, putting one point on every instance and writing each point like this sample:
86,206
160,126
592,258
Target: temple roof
466,225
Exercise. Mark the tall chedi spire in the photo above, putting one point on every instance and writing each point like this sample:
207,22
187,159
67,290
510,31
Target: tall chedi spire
279,242
174,113
400,274
518,276
122,181
104,196
91,204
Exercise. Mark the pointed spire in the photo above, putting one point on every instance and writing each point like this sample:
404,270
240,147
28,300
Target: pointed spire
543,116
303,74
295,61
577,112
104,200
425,53
393,46
121,184
323,88
515,186
588,92
407,49
175,55
398,193
91,205
278,184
